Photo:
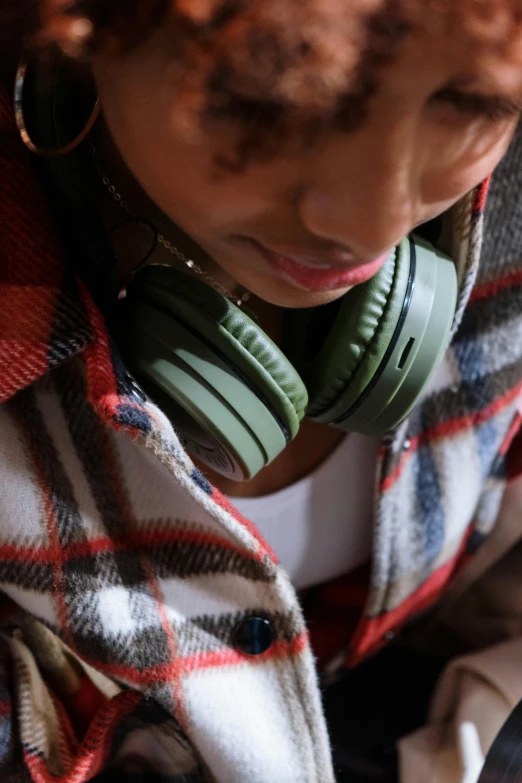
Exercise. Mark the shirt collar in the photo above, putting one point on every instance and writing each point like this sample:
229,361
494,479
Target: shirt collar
42,319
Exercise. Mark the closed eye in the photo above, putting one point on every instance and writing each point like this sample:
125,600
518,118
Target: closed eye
491,107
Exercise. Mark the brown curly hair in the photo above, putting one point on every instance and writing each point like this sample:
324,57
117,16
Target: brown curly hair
273,67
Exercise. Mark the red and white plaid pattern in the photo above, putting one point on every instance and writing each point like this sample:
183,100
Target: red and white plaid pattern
124,573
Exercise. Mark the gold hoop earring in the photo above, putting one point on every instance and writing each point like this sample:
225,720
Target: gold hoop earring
22,128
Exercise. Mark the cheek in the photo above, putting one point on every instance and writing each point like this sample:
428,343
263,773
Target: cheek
179,174
461,161
132,112
138,110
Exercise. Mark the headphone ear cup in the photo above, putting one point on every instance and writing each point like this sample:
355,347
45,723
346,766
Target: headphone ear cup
229,390
338,348
379,346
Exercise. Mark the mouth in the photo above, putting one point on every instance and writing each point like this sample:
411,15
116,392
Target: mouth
318,275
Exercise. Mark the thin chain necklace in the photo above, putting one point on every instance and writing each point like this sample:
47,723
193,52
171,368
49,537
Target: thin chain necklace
169,246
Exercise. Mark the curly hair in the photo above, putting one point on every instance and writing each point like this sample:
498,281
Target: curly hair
273,67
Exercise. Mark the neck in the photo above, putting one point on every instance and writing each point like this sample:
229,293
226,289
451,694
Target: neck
132,241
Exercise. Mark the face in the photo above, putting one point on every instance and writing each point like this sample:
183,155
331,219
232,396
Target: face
302,227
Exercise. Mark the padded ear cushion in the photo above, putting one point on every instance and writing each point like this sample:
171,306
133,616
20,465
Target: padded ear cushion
353,341
231,332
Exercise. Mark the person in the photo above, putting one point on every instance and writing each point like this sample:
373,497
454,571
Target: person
162,620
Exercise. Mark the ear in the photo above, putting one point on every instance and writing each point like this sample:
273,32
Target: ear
69,32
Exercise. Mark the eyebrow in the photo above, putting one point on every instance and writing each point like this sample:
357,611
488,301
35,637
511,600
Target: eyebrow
487,95
480,102
472,84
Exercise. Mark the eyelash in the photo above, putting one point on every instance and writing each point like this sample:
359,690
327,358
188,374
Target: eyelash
491,108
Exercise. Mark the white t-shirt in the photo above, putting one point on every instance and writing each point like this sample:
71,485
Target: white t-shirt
321,527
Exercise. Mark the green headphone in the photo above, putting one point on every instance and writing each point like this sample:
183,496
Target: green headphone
358,364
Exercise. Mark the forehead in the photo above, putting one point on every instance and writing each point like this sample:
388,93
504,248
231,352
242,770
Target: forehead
280,62
335,35
489,33
488,25
482,38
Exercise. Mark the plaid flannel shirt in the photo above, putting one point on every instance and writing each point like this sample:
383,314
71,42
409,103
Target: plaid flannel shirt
121,567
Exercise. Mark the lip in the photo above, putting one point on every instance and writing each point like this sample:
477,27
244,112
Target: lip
318,276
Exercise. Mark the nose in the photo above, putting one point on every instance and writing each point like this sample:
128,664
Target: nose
364,190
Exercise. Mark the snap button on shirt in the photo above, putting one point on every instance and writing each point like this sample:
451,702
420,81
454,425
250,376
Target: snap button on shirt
254,635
